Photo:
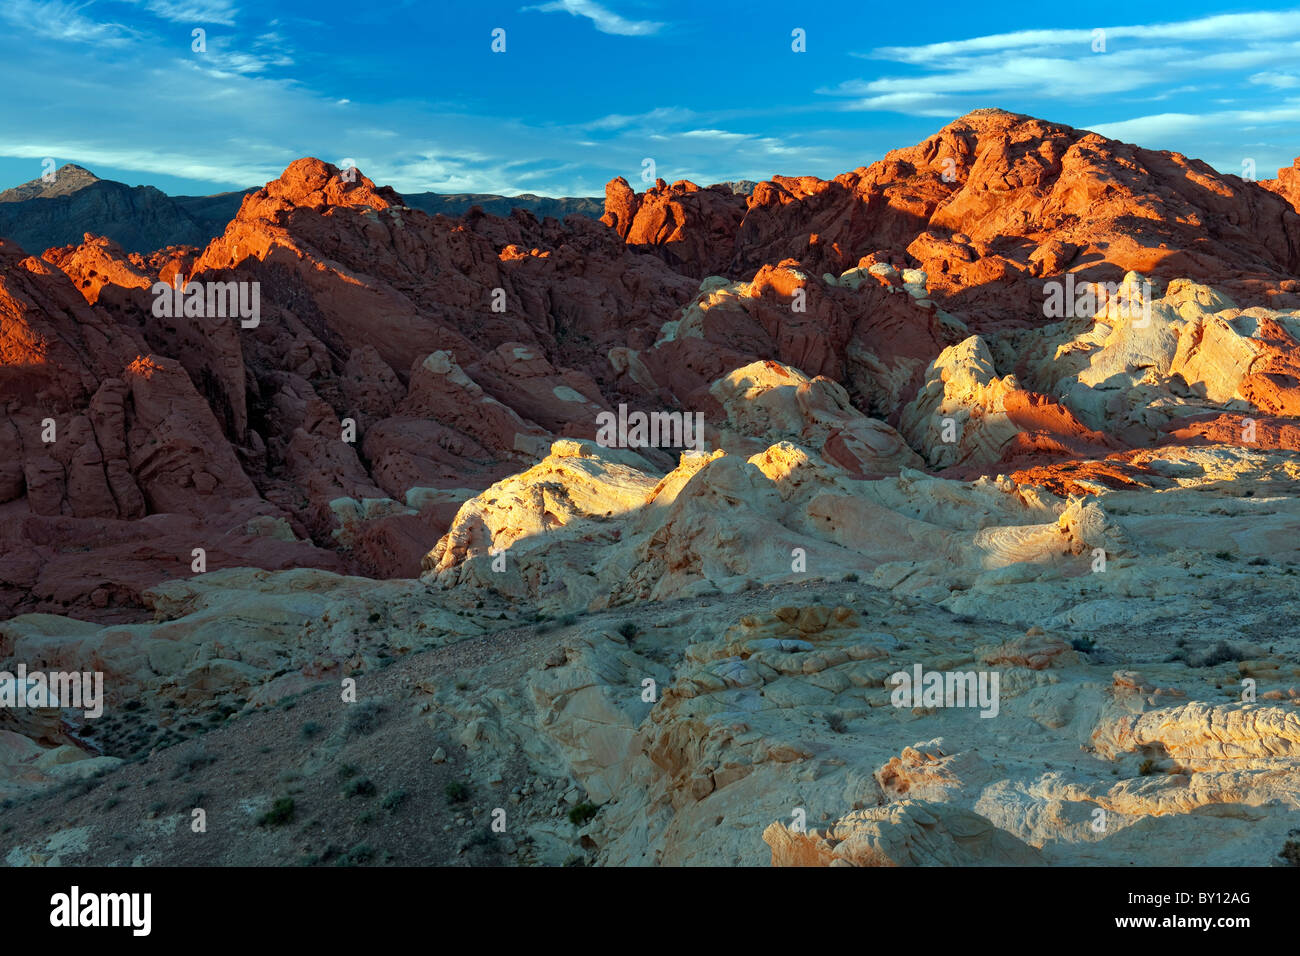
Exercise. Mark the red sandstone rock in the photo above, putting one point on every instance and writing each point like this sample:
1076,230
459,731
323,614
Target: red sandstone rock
989,206
459,348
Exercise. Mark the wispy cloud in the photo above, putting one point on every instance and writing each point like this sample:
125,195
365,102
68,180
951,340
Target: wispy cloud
198,12
57,20
658,117
1034,68
223,58
1164,124
1222,28
1278,81
605,20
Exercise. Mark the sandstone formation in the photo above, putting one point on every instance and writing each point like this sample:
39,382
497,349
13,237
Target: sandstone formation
910,462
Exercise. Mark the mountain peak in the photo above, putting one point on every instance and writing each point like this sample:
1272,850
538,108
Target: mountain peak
67,179
312,182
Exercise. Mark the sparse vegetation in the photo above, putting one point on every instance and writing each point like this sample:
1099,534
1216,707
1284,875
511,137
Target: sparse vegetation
365,718
393,799
359,787
581,814
281,812
628,630
361,853
192,760
310,730
1291,849
456,791
1211,656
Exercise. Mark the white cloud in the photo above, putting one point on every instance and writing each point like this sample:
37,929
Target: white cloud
222,59
606,21
1032,70
717,135
1217,137
1164,124
1279,81
660,116
221,12
57,20
1223,27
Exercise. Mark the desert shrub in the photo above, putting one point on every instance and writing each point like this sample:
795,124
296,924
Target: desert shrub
1291,851
1211,656
456,791
192,760
582,813
281,812
361,853
359,787
364,718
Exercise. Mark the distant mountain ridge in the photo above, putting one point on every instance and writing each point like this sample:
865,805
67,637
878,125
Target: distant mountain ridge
457,204
39,215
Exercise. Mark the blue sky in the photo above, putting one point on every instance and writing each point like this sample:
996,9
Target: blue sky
587,89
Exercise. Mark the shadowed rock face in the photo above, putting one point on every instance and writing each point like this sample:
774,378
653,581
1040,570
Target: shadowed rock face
399,454
37,215
140,219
